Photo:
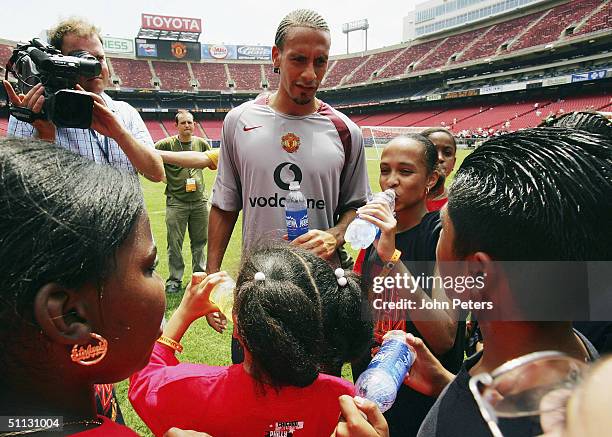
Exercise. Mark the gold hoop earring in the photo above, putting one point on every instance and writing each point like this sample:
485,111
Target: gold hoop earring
90,355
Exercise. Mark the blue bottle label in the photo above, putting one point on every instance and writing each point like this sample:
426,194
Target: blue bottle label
297,223
396,358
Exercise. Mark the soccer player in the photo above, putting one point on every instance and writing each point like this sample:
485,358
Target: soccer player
285,136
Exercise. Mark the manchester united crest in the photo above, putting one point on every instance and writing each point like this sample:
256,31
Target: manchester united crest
290,142
179,50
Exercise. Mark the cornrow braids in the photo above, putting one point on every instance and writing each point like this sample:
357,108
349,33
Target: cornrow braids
299,18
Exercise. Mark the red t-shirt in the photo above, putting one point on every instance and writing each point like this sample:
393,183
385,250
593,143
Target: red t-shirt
108,429
436,205
226,401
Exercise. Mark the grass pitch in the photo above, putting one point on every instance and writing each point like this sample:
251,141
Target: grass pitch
202,344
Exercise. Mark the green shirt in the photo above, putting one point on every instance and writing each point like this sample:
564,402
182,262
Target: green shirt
176,176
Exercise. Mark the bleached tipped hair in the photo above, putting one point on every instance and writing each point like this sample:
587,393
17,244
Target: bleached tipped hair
299,18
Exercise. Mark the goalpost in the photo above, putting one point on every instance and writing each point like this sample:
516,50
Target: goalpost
377,137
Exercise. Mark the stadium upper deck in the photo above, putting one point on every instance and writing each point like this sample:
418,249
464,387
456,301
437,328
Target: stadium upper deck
534,30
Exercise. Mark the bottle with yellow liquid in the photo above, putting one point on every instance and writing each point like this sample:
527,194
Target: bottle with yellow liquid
222,295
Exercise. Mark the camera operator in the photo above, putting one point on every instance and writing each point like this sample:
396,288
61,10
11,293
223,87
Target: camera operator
117,136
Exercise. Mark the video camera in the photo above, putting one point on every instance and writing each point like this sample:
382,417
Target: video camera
37,62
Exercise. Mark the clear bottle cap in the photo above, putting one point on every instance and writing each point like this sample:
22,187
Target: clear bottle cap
294,185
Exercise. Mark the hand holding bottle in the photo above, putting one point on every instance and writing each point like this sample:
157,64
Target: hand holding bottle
381,215
387,370
196,300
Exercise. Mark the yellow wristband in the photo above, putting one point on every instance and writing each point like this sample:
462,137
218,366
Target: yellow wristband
170,343
391,263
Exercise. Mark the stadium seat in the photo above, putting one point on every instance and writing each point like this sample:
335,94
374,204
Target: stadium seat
341,68
374,63
133,73
554,23
174,76
210,76
246,76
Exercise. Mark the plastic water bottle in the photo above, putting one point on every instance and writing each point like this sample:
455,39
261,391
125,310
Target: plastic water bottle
296,212
360,233
387,370
222,295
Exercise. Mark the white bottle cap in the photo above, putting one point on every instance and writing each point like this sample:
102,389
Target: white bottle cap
294,185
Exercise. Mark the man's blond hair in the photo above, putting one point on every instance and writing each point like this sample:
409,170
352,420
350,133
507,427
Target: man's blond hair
73,26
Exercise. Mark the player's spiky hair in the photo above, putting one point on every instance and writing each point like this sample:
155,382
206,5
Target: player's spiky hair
299,18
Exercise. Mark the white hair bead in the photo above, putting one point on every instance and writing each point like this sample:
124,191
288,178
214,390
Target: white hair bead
342,281
339,272
259,276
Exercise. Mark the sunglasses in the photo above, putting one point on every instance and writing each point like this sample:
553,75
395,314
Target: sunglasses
538,384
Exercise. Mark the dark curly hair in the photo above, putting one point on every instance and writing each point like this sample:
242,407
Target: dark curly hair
287,321
63,219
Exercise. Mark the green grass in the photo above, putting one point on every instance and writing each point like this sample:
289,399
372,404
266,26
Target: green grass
202,344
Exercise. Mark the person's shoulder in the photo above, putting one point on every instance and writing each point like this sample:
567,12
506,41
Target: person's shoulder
431,220
202,141
236,112
334,383
328,110
164,143
192,375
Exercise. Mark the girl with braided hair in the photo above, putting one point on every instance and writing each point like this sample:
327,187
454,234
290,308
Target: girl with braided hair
288,339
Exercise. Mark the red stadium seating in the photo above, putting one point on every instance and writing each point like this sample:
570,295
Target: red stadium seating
173,75
374,63
133,73
5,53
341,68
454,44
170,127
246,76
601,20
557,19
500,34
212,128
409,56
155,129
211,76
273,78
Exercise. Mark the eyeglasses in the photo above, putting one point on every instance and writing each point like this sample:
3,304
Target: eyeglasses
531,385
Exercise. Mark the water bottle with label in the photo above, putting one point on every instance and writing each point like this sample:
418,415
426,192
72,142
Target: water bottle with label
360,233
386,372
296,212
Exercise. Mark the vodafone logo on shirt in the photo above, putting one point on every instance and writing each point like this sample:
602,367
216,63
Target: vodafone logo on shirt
283,174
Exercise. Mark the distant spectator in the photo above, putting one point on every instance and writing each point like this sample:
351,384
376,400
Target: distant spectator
446,147
186,202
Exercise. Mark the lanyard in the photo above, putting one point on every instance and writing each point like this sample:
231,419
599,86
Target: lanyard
190,171
103,149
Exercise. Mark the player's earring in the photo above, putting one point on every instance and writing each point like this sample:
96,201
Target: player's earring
276,70
92,354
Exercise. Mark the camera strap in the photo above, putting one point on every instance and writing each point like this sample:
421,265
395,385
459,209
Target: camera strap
103,148
25,114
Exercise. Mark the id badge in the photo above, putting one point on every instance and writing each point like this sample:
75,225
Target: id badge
190,185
